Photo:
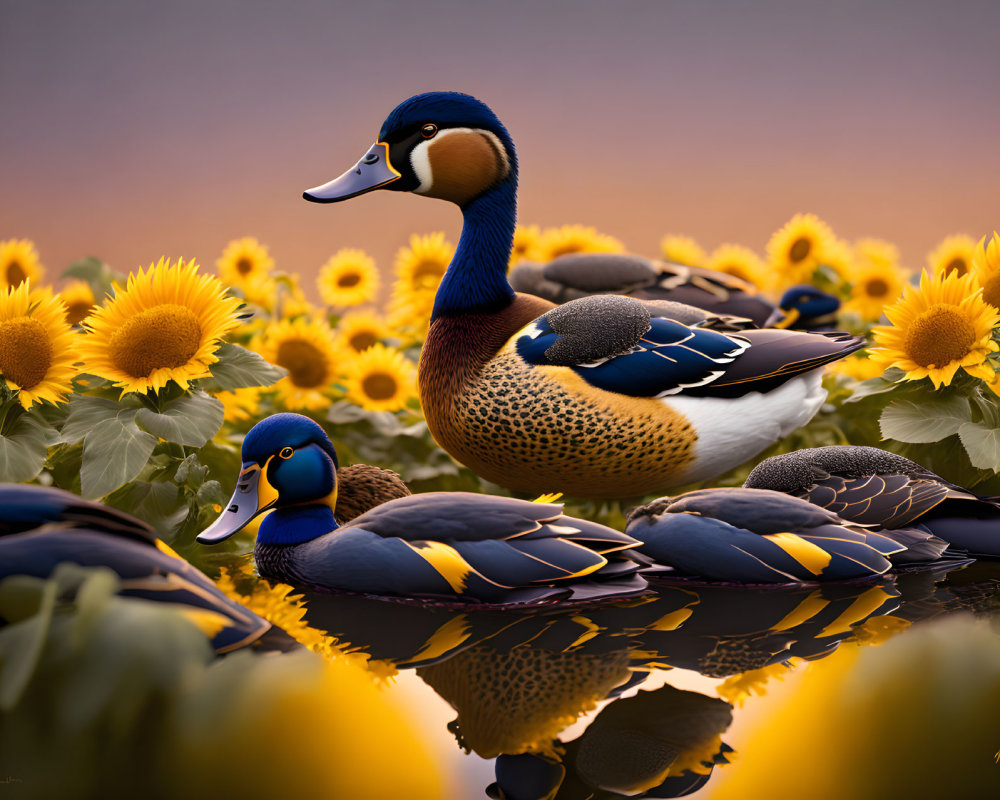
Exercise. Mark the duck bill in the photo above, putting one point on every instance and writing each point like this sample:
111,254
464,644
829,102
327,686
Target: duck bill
373,171
254,495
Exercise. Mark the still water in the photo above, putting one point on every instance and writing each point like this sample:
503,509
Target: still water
856,689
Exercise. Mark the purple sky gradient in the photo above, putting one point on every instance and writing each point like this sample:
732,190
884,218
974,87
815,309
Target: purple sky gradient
137,129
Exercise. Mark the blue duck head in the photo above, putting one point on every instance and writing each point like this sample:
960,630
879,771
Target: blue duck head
287,460
439,144
805,302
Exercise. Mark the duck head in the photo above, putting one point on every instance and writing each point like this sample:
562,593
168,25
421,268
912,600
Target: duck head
288,460
439,144
805,303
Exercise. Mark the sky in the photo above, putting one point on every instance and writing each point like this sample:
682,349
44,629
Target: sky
133,130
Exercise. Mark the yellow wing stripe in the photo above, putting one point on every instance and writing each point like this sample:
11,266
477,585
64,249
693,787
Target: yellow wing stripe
447,561
811,556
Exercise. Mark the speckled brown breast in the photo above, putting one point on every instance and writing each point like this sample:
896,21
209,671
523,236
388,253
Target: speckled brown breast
539,429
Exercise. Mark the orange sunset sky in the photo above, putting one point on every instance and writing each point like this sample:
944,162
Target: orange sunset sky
134,130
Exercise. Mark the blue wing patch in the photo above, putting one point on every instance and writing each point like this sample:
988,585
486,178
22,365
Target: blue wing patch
667,359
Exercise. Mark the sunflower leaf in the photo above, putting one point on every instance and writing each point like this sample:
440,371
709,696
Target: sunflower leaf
84,413
239,368
190,419
24,448
114,453
160,503
883,383
982,443
926,421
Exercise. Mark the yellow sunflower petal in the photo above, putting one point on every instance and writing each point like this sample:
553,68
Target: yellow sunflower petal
19,263
348,278
740,262
569,239
38,348
952,254
682,250
381,379
308,350
165,325
798,247
244,262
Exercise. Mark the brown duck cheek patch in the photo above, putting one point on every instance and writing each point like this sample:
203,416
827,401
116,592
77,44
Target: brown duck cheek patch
463,165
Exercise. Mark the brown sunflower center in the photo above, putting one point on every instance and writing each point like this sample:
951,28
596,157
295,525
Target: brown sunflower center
379,386
15,274
991,290
244,266
348,279
428,272
78,311
162,337
939,336
362,340
25,351
956,265
800,249
876,287
305,363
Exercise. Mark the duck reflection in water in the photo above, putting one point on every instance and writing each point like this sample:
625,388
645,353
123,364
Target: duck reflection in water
517,681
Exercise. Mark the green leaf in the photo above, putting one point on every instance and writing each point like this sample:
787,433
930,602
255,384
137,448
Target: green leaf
24,448
238,368
926,421
84,413
884,383
190,419
21,645
114,452
982,444
160,503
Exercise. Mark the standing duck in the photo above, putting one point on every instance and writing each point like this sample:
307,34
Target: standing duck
453,546
584,274
601,397
878,488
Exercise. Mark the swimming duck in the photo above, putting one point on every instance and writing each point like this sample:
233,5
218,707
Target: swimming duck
599,397
454,546
764,536
42,527
875,487
583,274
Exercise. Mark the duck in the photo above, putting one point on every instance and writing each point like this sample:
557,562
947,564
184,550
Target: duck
445,546
875,487
751,535
578,275
601,397
42,527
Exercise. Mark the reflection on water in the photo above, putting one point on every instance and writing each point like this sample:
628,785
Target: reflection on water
518,680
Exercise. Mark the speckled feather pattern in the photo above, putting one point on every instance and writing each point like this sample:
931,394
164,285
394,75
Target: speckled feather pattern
519,426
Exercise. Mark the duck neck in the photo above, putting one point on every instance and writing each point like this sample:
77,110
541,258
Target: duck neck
476,280
296,524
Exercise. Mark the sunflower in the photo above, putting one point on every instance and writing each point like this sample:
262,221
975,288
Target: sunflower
526,238
562,241
740,262
79,300
873,285
795,250
307,349
682,250
877,251
840,257
953,254
943,325
240,405
19,263
986,268
37,346
421,266
359,330
348,278
381,379
164,326
858,367
419,269
243,262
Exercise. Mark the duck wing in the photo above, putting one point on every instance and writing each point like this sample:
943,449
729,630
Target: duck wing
615,344
756,535
458,543
25,507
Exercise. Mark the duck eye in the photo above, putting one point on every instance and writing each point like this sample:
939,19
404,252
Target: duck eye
286,452
429,130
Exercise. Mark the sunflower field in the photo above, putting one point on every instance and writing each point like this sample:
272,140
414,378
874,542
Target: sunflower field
138,389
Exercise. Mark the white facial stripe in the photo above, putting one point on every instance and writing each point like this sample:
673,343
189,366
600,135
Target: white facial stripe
420,159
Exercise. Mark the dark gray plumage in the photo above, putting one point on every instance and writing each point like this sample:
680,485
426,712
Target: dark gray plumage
597,327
